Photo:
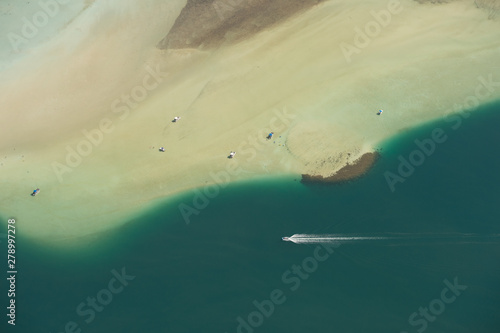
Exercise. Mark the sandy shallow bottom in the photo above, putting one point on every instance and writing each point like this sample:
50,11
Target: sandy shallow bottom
87,110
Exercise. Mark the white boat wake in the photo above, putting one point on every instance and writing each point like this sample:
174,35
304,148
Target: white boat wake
399,238
333,238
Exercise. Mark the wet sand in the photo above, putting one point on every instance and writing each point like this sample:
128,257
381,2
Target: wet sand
211,23
88,107
349,172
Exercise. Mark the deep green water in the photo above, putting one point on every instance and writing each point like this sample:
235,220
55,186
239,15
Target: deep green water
201,277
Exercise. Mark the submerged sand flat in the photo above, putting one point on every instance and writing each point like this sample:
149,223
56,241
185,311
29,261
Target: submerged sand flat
85,111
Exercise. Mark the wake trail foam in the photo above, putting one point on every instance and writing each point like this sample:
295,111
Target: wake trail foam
305,238
392,238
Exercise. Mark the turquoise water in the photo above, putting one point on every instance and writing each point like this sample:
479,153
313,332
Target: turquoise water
203,276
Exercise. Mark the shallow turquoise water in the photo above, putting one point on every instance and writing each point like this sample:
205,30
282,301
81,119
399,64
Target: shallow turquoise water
201,277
